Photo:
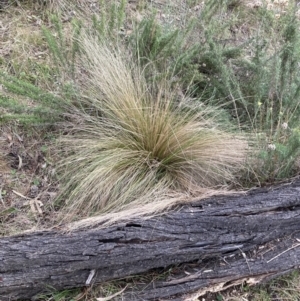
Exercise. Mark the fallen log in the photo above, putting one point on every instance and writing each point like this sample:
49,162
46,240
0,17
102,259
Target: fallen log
217,274
226,235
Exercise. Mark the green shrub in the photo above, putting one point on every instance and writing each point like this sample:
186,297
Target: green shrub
47,109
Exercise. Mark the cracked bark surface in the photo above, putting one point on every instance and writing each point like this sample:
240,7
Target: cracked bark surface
228,239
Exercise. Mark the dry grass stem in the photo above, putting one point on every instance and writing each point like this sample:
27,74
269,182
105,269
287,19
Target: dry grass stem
132,145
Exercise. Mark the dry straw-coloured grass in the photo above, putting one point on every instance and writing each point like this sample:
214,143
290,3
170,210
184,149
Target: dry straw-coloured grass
131,146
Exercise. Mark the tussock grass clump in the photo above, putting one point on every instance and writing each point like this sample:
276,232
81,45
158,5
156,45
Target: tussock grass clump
133,145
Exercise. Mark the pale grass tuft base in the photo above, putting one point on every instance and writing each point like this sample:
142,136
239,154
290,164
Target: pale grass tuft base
135,148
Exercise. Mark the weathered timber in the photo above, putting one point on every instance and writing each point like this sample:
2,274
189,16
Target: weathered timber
221,233
216,274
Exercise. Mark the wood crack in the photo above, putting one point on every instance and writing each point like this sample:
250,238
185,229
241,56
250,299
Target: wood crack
231,239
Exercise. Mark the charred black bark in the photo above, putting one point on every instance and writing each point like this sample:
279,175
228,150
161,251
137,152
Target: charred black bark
233,238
